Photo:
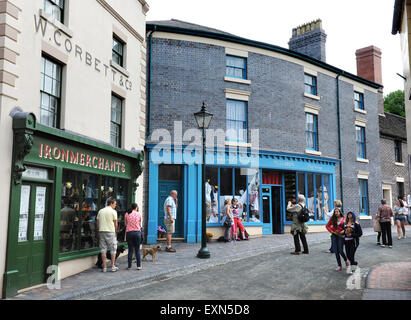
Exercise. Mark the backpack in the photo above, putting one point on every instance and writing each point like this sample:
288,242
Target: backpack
304,214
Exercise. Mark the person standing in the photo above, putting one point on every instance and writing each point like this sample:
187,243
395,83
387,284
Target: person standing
401,211
377,228
170,216
133,234
384,217
336,226
237,222
298,228
227,216
107,227
329,214
352,231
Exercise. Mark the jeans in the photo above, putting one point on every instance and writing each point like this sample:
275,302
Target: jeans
386,233
134,241
332,249
339,248
297,242
350,248
227,234
379,237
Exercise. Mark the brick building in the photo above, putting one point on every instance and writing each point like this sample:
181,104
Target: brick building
290,124
394,159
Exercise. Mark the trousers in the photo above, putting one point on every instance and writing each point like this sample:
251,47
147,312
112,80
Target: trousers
300,235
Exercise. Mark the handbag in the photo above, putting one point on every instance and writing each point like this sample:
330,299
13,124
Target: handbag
227,222
376,225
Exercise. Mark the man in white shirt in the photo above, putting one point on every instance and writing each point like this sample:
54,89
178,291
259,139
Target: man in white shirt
170,215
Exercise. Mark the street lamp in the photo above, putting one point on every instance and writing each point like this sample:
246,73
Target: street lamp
203,119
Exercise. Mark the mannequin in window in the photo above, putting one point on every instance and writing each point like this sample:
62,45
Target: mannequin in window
214,207
254,204
320,215
208,190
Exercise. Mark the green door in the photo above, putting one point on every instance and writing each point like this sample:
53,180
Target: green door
32,242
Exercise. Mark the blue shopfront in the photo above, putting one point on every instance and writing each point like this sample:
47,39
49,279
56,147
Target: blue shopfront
263,182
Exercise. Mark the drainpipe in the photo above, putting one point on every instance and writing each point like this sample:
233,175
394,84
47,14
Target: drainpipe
150,36
339,137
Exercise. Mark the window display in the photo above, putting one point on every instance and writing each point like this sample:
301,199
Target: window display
253,194
211,191
290,190
240,192
83,195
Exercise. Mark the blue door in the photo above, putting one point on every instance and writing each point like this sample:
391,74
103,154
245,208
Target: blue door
267,225
164,189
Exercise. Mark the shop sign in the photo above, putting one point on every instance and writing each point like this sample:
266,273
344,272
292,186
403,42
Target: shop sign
80,53
55,153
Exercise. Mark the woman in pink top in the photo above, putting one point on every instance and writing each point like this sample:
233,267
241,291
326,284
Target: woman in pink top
133,234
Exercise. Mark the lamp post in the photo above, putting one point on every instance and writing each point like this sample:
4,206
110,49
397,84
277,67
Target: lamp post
203,119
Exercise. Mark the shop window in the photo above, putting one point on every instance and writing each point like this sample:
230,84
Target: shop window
360,140
118,51
83,195
358,100
236,67
253,189
310,194
116,121
301,184
226,186
310,84
398,151
326,193
50,93
318,198
240,191
290,182
211,195
311,131
55,8
236,121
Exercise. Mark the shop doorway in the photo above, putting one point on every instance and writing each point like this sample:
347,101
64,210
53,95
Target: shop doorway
170,178
272,213
33,242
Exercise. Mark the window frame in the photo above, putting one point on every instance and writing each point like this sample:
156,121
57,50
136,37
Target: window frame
59,80
313,86
244,69
398,151
315,132
359,102
115,53
400,187
120,124
363,197
362,143
61,7
245,122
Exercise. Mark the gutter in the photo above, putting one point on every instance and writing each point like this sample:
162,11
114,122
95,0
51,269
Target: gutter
150,37
339,137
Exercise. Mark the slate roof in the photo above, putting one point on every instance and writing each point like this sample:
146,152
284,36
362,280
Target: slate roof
393,126
187,25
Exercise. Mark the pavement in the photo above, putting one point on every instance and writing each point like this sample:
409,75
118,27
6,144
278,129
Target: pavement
184,261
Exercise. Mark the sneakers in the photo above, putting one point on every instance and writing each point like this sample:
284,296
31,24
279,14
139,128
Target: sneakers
383,246
170,249
295,253
114,269
378,243
390,247
405,237
339,269
139,268
104,270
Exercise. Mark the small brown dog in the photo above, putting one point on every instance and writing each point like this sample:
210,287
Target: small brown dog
151,251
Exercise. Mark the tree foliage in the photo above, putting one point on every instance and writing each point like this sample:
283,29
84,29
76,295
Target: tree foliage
394,103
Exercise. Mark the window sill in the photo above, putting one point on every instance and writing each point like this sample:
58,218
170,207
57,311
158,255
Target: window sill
400,164
56,23
237,80
119,68
311,96
238,144
313,152
360,111
363,160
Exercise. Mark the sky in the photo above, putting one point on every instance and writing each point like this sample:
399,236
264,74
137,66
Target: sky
350,25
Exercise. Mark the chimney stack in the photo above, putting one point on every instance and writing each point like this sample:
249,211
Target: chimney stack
369,64
309,39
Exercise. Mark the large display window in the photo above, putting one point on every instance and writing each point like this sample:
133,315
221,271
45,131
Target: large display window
83,195
228,183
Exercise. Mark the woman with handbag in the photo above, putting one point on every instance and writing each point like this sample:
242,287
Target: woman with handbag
227,220
377,228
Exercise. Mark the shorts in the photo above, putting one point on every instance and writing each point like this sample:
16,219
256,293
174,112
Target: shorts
400,218
108,240
170,227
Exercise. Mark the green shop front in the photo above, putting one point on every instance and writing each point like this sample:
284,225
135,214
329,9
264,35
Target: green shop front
59,183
